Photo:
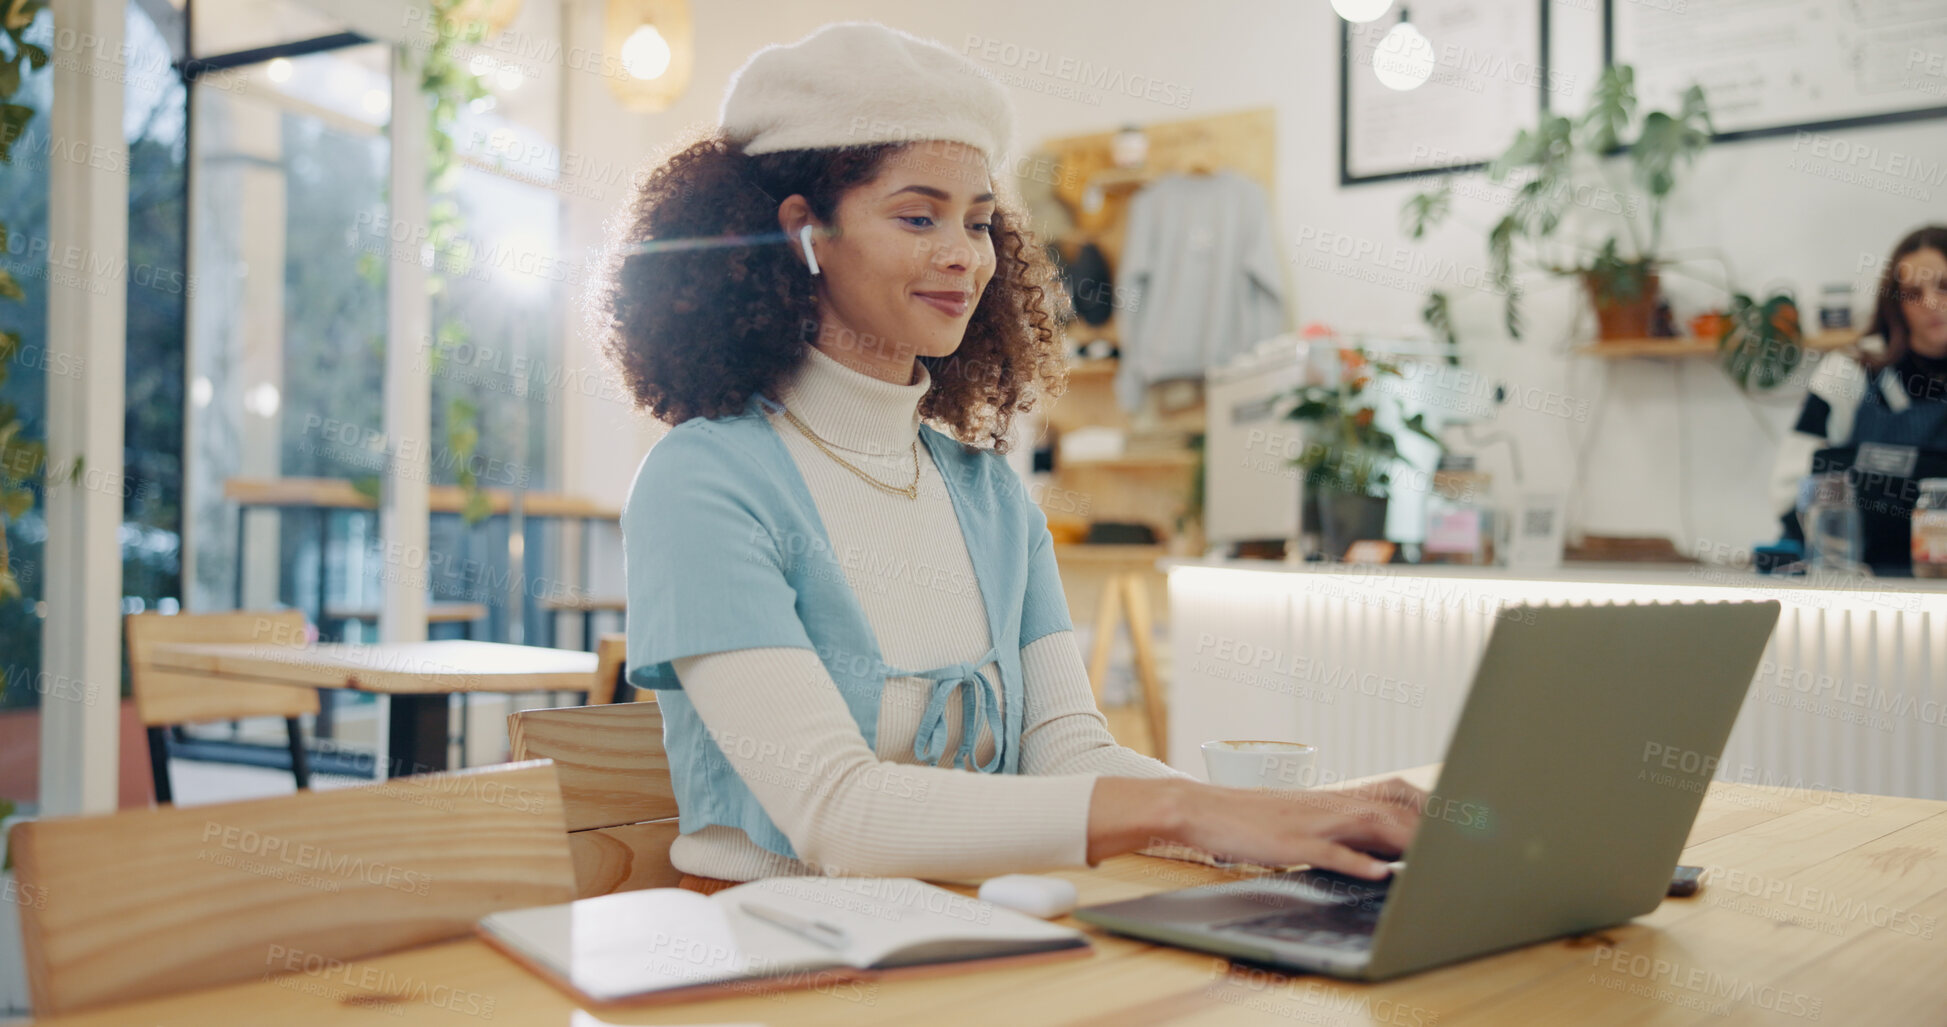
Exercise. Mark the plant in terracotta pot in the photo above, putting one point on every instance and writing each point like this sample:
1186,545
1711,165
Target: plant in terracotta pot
1569,196
1347,458
1623,292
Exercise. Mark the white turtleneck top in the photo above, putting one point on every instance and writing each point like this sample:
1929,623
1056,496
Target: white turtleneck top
855,809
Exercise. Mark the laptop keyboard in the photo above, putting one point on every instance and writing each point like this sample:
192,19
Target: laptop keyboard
1338,913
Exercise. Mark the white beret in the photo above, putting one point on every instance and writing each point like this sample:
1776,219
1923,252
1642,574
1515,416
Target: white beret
858,83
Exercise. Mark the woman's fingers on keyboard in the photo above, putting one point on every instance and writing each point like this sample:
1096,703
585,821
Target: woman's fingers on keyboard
1347,860
1395,790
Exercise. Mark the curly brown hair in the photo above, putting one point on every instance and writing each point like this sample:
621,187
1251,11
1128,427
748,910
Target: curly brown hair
696,327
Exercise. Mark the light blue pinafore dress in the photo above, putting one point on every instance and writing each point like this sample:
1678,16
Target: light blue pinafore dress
725,550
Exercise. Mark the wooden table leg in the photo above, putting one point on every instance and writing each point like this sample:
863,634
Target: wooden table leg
417,734
300,763
1106,618
159,765
1135,598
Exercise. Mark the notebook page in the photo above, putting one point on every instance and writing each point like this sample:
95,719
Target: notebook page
892,921
637,942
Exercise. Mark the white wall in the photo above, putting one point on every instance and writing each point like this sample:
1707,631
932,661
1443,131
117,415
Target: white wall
1671,449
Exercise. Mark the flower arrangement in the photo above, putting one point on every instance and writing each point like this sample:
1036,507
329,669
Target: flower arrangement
1348,451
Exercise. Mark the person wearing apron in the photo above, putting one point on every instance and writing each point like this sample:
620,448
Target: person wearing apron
1890,390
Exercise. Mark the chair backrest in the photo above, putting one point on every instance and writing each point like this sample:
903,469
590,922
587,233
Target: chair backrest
615,788
611,653
167,697
147,902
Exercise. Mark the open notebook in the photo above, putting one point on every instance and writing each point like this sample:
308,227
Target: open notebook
783,932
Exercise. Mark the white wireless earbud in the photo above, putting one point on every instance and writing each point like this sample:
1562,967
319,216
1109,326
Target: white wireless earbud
804,240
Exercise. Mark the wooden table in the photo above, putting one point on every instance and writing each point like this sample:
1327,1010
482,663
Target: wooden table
1834,904
417,675
327,495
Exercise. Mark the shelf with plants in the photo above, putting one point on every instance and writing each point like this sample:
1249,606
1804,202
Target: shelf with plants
1690,346
1587,202
1568,191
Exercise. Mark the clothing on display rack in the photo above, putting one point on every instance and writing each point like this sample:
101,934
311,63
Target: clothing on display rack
1091,287
1199,280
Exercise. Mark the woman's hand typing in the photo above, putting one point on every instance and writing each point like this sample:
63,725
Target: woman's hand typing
1331,830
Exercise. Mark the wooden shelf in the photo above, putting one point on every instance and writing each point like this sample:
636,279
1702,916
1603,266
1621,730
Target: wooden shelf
1103,367
1133,462
1148,482
1616,349
1132,553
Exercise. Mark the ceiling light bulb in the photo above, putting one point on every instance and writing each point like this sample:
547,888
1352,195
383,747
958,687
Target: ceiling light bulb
279,69
1360,11
645,54
262,400
377,102
1404,59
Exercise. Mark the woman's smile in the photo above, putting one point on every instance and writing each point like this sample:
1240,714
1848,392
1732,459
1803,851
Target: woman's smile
954,304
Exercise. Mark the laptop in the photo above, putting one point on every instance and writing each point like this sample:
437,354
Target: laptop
1568,789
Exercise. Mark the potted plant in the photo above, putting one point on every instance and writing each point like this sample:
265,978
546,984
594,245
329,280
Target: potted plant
1568,175
1760,341
1347,458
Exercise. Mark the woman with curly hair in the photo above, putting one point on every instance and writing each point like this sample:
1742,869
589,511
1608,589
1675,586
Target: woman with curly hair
847,598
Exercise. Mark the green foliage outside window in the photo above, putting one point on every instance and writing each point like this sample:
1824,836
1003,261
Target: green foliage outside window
448,88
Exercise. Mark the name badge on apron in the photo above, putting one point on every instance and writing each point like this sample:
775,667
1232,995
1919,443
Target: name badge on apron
1893,461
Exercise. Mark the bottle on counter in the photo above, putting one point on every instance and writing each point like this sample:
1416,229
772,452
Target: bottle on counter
1460,522
1828,511
1930,529
1835,307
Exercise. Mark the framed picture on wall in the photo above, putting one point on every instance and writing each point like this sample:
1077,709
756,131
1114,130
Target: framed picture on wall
1785,66
1475,72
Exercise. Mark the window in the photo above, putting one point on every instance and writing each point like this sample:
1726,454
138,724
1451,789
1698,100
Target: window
289,325
156,284
23,213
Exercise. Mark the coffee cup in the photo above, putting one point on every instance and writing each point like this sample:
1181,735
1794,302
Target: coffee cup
1261,764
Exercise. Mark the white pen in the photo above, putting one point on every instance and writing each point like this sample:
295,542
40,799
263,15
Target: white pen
828,935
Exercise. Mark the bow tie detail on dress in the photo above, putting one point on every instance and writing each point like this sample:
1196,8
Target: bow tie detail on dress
979,704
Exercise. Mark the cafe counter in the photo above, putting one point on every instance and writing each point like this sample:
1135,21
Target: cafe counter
1372,663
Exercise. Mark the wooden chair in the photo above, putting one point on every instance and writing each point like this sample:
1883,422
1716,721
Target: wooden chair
147,902
615,788
166,698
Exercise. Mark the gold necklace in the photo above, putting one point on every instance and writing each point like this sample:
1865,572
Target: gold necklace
910,491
